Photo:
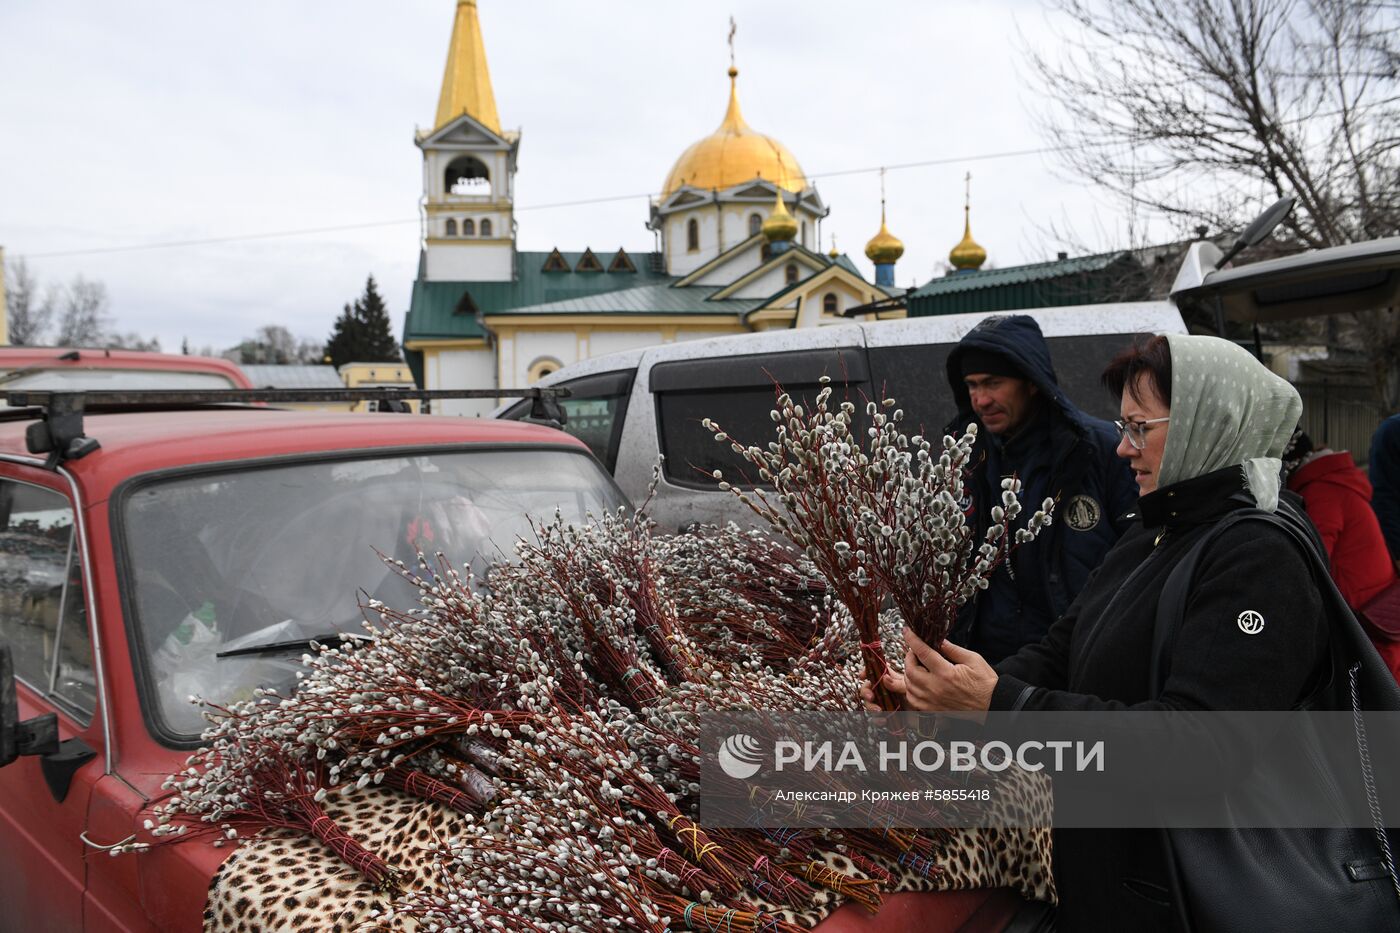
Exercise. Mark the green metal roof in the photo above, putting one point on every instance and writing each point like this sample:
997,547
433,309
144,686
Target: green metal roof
433,308
844,262
657,298
1060,283
955,282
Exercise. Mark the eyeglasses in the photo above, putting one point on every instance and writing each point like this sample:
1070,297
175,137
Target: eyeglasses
1136,431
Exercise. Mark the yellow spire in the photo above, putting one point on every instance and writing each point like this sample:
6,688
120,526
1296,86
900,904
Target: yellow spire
968,255
466,81
780,225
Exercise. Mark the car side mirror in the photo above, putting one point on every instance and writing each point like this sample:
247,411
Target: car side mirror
37,736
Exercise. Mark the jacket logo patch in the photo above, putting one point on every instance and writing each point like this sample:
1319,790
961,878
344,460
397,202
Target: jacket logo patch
1250,622
1083,513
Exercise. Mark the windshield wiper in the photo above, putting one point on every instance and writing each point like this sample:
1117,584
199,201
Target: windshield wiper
294,644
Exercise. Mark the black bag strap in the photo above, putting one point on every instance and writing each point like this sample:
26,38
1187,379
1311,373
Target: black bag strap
1348,661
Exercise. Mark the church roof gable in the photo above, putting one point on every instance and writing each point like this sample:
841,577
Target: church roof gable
432,309
656,298
465,131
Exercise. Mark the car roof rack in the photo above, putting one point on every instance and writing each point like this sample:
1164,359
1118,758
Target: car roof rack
59,431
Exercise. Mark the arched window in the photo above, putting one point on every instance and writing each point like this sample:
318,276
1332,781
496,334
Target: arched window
540,368
692,235
829,303
469,227
755,224
804,233
451,227
790,273
467,175
486,227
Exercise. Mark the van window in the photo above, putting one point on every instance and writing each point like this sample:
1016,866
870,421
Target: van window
916,376
738,393
43,612
596,411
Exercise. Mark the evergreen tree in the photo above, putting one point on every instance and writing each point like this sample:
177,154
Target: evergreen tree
362,333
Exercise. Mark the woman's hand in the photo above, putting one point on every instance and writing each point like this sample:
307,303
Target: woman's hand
944,680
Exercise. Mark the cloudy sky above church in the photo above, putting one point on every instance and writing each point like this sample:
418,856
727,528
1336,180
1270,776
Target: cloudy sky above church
157,122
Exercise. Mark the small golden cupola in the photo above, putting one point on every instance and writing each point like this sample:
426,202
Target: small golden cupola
780,226
884,248
968,255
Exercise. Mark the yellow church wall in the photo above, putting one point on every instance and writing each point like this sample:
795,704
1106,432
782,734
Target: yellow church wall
356,375
523,345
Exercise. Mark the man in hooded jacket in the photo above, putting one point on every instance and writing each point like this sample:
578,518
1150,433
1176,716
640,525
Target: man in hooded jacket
1003,380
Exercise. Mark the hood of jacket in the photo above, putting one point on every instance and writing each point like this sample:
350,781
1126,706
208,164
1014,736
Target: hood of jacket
1018,338
1336,469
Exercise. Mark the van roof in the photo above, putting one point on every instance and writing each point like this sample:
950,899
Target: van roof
1158,317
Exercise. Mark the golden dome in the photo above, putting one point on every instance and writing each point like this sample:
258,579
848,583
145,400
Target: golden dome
734,153
780,225
884,247
968,255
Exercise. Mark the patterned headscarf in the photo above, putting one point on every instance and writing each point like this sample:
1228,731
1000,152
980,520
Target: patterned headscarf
1227,408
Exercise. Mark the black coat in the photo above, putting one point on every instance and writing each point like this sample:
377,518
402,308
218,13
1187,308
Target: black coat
1097,657
1069,457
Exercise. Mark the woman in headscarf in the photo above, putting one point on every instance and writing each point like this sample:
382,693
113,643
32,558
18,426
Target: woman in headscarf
1203,426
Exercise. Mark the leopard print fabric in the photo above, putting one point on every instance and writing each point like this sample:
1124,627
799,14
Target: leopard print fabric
281,880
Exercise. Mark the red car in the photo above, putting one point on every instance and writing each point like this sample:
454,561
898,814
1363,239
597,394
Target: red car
72,369
174,552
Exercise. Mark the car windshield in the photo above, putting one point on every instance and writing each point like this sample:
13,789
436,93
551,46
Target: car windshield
226,562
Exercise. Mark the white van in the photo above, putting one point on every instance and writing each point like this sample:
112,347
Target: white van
634,406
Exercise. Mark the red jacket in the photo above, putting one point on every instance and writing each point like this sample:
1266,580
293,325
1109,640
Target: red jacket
1338,499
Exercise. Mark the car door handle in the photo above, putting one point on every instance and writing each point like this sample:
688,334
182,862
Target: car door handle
96,845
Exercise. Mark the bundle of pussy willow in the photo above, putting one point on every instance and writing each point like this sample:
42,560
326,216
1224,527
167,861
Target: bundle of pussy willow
557,706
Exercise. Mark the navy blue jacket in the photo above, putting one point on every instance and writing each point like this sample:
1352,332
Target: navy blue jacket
1385,481
1062,454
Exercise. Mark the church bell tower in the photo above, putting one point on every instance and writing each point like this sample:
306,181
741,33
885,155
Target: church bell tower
468,169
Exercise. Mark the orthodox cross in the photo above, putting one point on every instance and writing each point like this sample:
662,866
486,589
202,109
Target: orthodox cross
733,28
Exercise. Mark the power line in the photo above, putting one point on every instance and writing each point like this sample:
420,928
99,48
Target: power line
339,228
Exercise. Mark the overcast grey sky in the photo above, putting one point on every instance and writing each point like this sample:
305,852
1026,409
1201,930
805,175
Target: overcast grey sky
149,121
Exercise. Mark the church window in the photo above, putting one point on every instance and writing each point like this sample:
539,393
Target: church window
790,273
467,175
555,262
755,224
765,252
829,303
451,227
486,227
622,262
540,368
465,305
469,227
692,235
804,233
588,262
